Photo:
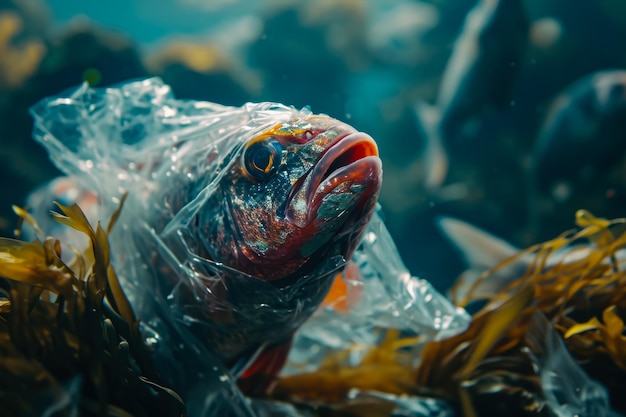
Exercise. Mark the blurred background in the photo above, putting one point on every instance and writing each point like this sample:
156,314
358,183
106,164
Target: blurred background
539,141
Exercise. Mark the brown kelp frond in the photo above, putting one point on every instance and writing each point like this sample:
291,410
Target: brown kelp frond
586,255
570,302
69,340
595,337
579,278
573,280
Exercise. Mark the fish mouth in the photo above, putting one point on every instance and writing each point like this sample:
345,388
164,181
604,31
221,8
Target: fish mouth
350,165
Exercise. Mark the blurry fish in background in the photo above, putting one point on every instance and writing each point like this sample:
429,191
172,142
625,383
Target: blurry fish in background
478,78
434,158
579,155
482,251
583,133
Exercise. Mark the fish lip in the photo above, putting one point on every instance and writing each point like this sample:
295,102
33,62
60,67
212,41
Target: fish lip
357,157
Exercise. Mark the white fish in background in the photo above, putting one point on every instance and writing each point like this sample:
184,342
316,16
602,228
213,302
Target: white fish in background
482,251
478,77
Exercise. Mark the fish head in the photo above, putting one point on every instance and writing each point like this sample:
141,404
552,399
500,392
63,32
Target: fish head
292,196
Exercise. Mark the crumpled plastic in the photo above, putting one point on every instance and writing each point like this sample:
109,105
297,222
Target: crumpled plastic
137,138
568,390
389,297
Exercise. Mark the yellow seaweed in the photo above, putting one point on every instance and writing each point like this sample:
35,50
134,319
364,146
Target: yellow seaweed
607,334
385,368
582,293
60,321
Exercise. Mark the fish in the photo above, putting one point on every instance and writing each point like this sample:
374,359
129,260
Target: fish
582,133
236,221
483,251
291,199
478,78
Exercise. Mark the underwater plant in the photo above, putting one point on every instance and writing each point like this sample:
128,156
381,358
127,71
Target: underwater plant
523,353
71,343
69,340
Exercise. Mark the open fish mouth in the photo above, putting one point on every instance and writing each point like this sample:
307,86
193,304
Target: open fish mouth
348,172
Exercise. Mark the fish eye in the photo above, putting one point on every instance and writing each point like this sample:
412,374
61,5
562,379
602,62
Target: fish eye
262,158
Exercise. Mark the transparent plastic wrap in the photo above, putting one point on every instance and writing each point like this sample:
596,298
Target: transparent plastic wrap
568,390
208,307
381,295
218,280
389,297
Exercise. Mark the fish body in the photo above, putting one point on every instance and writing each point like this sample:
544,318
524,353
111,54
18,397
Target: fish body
583,132
484,63
478,77
237,218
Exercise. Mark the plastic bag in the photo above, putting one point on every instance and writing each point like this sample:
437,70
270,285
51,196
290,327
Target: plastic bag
203,320
389,297
568,390
138,138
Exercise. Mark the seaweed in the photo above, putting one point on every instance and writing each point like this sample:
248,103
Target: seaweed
70,343
525,352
